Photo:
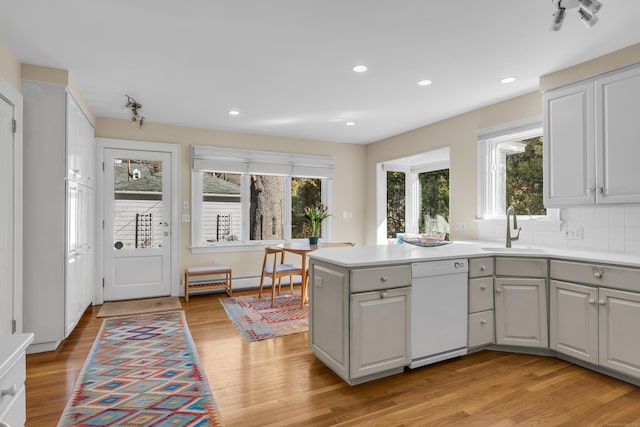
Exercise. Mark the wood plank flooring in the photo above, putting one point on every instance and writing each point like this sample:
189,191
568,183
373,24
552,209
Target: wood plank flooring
279,382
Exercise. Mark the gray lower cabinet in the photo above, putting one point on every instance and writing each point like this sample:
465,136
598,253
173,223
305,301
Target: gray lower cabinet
573,318
360,335
521,312
379,331
596,324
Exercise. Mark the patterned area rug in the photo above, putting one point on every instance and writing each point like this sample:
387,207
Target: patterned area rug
142,371
256,320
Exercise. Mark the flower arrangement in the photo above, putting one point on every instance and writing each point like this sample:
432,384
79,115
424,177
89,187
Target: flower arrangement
315,215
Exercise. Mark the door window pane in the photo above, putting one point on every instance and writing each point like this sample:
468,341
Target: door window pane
222,208
396,203
137,216
434,201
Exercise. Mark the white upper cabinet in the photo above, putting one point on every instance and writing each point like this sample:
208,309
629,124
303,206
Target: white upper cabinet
591,140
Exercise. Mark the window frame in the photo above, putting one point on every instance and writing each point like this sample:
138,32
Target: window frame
488,181
411,166
247,163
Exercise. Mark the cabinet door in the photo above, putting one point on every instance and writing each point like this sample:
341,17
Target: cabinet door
618,137
573,320
481,328
379,331
329,317
521,312
619,337
569,146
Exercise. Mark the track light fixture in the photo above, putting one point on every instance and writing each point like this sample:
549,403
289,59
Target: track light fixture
133,106
587,10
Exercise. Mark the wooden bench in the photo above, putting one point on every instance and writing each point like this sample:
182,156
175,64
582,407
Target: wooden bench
215,283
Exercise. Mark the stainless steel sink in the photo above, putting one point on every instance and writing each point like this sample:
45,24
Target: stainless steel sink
516,250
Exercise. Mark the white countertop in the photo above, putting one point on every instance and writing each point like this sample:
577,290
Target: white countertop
366,256
11,346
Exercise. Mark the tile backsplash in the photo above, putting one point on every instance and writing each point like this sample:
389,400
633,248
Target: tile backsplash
605,229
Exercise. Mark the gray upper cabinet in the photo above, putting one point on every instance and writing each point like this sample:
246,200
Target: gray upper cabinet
591,138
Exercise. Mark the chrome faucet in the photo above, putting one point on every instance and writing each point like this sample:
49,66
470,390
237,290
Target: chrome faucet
511,211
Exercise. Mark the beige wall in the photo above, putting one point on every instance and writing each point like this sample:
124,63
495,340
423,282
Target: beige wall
10,67
349,179
459,133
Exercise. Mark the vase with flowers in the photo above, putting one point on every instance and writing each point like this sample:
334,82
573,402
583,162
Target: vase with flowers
314,216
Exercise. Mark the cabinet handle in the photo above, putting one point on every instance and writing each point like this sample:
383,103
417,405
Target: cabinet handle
383,278
483,322
498,290
483,287
383,294
601,302
592,301
11,391
483,267
597,274
600,190
591,190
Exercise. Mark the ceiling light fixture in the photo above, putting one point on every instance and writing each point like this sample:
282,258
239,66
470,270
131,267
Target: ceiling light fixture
360,68
133,106
425,82
234,112
587,10
508,79
350,124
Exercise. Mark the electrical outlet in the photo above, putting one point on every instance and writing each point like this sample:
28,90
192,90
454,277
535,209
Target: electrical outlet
186,218
572,232
460,226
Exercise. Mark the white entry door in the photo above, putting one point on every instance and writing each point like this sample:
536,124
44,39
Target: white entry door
137,224
6,218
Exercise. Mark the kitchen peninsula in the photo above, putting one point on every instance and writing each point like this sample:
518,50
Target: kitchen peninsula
574,305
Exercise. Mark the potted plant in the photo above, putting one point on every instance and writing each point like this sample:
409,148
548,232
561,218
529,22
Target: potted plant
314,216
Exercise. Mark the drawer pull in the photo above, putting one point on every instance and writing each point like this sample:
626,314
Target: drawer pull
601,302
483,287
498,290
483,267
592,301
483,322
597,274
11,391
383,294
383,278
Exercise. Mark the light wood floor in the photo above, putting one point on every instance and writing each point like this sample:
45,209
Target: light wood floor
279,382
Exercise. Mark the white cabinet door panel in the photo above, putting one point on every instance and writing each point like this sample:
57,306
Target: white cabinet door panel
521,312
573,320
619,331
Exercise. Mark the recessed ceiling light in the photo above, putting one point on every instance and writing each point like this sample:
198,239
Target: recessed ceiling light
509,79
360,68
234,112
350,124
425,82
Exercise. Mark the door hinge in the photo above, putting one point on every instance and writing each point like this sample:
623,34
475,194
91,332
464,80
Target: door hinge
14,326
102,166
103,224
103,283
14,126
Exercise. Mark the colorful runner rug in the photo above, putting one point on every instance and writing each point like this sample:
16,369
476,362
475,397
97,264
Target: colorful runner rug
142,371
256,320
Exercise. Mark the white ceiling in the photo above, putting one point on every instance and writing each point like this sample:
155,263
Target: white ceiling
286,64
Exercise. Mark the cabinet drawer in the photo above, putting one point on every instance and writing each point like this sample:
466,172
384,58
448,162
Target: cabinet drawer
521,267
481,267
596,274
15,414
371,279
480,294
481,328
14,377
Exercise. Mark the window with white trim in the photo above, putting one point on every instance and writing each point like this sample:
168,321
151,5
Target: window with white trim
510,172
247,197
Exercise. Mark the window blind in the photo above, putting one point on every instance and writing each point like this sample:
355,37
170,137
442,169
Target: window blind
232,160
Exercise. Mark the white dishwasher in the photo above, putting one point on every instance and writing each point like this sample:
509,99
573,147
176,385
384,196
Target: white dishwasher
438,311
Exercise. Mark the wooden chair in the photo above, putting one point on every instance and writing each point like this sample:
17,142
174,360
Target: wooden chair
275,269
